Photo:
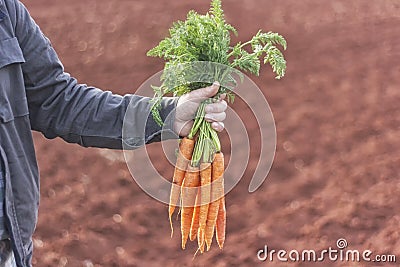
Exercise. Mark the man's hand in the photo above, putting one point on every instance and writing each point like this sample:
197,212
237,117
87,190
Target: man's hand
187,107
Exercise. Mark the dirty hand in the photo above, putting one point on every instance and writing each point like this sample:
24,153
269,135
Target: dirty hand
188,104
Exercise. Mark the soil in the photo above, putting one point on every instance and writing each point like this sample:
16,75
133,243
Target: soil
336,169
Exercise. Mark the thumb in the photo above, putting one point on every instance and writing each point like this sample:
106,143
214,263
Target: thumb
202,94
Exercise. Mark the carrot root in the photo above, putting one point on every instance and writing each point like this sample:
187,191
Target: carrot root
200,240
185,154
205,196
195,220
188,196
221,224
217,188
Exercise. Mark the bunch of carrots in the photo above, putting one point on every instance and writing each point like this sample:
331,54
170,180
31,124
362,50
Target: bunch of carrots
201,190
199,172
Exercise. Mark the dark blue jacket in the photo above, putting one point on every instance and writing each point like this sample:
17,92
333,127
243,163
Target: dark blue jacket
36,94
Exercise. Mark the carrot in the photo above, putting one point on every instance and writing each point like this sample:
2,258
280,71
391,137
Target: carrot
205,196
185,154
211,220
221,223
217,189
188,196
195,220
200,241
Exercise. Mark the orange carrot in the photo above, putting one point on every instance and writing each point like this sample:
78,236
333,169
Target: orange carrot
188,196
195,220
216,193
221,223
200,241
184,156
205,197
211,220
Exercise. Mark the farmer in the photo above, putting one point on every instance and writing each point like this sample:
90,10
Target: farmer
36,93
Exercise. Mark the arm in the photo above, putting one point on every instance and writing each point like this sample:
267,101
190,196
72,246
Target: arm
60,106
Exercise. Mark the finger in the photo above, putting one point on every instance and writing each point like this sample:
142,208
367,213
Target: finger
218,126
216,107
215,117
220,98
202,94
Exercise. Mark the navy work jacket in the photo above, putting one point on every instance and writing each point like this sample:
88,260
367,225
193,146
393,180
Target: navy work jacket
36,94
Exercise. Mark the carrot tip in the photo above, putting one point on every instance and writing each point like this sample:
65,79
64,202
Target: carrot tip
195,254
208,247
184,240
172,228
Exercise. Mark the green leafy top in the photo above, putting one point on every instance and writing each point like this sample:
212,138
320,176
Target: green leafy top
198,38
206,38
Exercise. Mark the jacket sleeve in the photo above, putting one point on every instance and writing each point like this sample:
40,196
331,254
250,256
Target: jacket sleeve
61,107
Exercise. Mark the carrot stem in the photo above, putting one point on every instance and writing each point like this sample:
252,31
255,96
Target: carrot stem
198,120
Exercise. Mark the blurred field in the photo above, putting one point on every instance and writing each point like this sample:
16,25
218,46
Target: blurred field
336,171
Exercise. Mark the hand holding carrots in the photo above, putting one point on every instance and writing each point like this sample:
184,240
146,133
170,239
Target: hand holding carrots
189,103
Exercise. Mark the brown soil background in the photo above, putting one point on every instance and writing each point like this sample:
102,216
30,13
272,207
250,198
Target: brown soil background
336,171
